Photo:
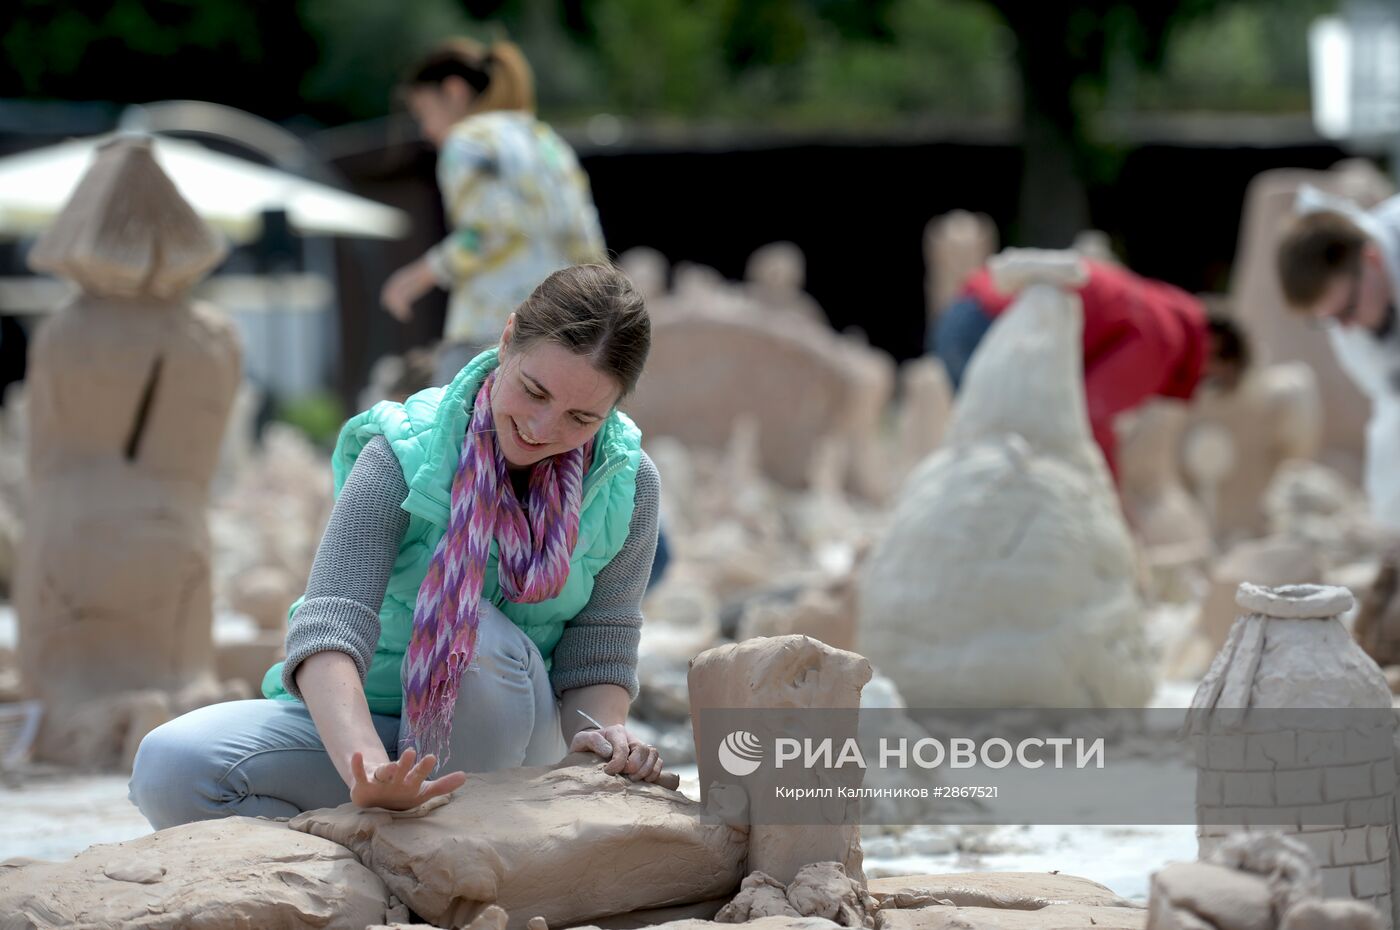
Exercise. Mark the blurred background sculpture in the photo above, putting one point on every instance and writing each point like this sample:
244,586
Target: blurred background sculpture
130,386
775,278
955,245
718,348
1237,439
1007,575
1168,522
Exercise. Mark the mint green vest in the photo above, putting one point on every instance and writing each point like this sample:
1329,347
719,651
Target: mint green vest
426,433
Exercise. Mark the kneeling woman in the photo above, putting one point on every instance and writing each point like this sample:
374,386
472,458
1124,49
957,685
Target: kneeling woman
478,584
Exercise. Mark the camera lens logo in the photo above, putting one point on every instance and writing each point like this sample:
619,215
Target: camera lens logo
741,753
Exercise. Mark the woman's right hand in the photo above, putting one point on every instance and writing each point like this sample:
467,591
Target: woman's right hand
398,786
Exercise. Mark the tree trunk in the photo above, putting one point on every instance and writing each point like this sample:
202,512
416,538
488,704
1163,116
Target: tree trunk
1054,202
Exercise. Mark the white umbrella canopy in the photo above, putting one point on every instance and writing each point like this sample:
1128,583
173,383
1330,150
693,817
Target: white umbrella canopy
229,193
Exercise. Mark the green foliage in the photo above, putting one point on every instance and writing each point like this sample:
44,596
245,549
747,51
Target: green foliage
1240,56
950,57
847,63
364,47
659,56
245,54
802,63
320,416
772,34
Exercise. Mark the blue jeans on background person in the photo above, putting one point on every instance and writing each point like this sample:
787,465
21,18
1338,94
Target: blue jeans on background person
956,335
264,758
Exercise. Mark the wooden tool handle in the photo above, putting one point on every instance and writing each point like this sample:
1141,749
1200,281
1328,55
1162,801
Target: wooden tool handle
669,780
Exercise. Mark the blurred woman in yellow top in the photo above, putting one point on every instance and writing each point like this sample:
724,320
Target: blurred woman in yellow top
516,199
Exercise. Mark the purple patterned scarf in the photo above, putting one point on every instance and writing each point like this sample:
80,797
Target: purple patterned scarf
534,554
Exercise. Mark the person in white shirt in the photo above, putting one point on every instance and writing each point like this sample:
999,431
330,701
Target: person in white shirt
1340,264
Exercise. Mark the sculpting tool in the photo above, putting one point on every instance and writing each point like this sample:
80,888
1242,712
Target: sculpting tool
666,780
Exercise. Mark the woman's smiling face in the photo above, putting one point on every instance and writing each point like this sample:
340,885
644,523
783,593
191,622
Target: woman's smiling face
547,400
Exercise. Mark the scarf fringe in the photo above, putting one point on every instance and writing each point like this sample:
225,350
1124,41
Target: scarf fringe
430,726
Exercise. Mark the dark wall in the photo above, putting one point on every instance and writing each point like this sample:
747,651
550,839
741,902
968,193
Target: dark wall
859,213
402,177
1177,209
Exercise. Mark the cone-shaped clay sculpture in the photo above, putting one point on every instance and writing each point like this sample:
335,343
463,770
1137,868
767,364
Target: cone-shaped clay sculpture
1007,575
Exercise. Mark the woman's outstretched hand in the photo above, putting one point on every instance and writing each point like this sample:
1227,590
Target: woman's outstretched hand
626,754
398,786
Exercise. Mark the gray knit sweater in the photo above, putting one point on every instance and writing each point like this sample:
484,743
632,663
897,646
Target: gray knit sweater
356,557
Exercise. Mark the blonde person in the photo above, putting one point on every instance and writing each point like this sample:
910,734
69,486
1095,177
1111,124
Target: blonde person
517,202
479,583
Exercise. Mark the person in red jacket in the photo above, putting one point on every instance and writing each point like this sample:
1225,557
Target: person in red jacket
1142,339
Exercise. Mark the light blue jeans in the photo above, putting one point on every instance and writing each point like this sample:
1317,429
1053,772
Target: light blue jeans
265,759
959,331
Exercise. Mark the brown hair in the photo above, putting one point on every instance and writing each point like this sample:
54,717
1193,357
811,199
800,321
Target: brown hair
499,75
1228,341
1314,249
590,310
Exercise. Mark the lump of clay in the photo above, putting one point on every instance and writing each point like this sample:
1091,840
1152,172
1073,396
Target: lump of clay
778,673
129,389
569,844
821,889
1196,894
1007,576
237,872
1252,882
1335,914
759,895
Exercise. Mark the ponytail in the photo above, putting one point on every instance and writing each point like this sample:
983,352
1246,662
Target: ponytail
499,76
512,85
